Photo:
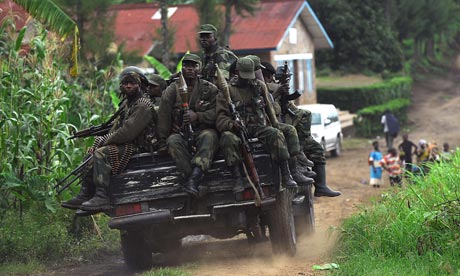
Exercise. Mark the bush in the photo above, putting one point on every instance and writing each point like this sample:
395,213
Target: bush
356,98
367,123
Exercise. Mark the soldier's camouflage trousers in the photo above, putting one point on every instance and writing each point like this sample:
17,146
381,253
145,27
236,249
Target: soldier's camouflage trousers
292,140
108,160
206,143
272,138
302,122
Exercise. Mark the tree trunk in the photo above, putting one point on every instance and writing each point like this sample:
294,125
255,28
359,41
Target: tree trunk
228,23
165,32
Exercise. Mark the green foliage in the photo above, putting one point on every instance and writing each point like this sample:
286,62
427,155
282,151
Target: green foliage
21,269
355,98
367,123
413,230
162,70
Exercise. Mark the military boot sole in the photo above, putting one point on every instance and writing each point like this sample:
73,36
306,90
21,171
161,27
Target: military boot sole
328,194
99,208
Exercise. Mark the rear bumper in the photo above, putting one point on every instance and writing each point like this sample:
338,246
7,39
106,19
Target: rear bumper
165,216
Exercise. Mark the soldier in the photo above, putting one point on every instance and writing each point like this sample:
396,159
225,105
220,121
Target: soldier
214,54
289,132
112,152
302,122
155,88
251,99
201,116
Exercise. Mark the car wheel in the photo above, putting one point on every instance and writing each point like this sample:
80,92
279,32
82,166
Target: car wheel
338,147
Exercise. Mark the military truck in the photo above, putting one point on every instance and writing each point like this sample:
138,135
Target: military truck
153,214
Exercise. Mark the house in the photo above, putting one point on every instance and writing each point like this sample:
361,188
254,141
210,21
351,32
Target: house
280,30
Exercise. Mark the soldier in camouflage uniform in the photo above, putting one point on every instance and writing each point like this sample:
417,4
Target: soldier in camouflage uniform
289,132
112,152
214,54
155,88
302,122
202,115
250,98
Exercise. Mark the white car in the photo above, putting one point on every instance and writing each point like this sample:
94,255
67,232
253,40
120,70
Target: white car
325,126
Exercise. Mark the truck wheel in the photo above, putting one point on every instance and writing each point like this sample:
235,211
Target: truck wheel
136,253
305,220
282,226
338,147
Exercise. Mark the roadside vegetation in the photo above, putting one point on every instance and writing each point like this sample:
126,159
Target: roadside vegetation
409,231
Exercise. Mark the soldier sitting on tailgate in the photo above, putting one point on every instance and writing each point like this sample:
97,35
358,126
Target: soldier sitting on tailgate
187,126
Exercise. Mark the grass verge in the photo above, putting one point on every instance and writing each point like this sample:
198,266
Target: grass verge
409,231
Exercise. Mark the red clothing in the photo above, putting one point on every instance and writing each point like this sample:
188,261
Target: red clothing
392,164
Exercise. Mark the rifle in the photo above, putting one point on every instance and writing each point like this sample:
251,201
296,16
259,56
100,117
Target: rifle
245,148
187,130
77,173
101,129
283,76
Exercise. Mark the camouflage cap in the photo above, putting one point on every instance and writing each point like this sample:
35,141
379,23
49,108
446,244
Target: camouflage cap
134,73
256,61
157,80
245,67
192,57
207,29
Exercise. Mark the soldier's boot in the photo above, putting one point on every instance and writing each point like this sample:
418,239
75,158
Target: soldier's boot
86,193
286,177
296,175
321,189
304,161
191,186
305,170
99,202
239,180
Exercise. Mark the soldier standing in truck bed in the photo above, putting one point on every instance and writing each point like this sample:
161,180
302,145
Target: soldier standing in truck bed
214,54
250,97
112,152
202,115
302,122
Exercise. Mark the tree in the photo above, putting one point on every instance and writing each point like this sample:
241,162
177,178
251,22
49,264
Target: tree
242,8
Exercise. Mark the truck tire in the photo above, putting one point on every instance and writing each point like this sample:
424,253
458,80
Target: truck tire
305,220
282,225
338,147
136,252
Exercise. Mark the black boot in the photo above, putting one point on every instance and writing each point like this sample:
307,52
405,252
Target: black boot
296,175
239,181
286,177
99,202
321,189
304,161
191,186
85,194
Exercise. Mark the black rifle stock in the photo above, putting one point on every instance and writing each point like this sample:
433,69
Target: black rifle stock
77,173
246,151
283,75
101,129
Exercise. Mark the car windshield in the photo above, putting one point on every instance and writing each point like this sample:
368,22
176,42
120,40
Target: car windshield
315,118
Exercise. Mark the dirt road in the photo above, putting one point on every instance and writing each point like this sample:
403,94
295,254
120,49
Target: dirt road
433,116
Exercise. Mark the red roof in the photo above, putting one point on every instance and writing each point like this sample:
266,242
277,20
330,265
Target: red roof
135,27
8,8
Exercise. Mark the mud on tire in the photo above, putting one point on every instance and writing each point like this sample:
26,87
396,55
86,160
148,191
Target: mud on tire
282,226
136,253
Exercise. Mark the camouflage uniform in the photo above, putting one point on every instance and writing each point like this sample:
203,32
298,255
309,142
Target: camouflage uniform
202,100
302,122
217,55
131,132
251,106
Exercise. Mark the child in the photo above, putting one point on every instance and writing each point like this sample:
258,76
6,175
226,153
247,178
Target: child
392,164
375,158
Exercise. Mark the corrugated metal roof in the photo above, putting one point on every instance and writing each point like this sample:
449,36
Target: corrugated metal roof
264,31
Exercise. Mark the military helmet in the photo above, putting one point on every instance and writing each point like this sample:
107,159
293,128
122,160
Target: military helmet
136,73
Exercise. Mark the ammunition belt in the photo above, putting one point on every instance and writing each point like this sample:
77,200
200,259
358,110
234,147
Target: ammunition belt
118,163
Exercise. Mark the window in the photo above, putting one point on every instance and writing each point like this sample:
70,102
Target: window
293,35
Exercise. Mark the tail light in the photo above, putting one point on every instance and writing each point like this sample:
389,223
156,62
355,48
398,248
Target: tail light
128,209
248,194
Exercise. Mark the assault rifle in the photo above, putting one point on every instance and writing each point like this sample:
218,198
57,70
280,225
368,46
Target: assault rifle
77,173
187,130
101,129
246,151
283,76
